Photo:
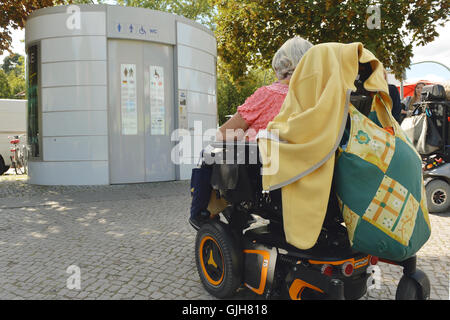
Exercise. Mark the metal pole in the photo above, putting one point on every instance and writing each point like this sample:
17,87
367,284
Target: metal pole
431,61
401,84
401,88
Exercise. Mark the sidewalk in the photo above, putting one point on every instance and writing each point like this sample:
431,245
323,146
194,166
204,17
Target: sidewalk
132,242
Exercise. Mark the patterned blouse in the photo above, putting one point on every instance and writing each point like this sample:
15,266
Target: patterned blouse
262,106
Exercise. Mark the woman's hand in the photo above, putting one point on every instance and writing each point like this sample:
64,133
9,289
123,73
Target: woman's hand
233,129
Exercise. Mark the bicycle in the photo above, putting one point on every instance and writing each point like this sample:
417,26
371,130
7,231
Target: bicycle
19,159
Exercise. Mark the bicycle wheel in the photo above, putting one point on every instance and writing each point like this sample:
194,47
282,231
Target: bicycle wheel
25,160
18,164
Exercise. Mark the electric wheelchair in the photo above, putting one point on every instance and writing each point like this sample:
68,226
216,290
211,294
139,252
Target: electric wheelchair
233,249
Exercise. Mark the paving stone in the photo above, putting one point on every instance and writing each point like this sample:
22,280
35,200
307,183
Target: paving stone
156,295
133,242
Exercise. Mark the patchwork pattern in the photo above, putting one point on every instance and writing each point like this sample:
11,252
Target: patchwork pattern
406,223
392,209
424,206
382,216
351,222
371,143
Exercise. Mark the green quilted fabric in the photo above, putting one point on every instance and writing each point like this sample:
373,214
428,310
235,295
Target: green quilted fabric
380,190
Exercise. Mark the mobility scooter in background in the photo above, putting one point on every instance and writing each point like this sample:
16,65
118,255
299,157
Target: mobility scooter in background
436,165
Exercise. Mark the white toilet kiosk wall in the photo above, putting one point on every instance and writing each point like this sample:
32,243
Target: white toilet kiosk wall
107,86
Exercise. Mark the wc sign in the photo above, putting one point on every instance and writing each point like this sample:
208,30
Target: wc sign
73,21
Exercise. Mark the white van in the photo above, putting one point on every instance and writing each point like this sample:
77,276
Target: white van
13,118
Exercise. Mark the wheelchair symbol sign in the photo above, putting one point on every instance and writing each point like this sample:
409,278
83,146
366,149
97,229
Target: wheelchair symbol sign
142,30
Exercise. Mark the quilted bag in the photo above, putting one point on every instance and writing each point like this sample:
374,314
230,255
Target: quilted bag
380,190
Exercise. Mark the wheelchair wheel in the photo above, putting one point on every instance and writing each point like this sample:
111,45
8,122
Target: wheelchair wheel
408,289
438,193
219,259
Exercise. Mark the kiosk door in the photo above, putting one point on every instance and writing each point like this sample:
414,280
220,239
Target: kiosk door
140,111
159,111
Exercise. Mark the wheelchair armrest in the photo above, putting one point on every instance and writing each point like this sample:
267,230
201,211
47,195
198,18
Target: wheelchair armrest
231,152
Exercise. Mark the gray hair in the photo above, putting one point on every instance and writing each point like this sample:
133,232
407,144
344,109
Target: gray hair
288,56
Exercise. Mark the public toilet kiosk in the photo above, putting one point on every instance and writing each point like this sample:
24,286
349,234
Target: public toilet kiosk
107,88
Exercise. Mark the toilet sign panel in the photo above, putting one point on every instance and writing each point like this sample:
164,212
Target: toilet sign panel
128,99
157,108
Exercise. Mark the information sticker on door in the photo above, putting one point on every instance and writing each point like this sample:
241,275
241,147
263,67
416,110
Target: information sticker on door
128,101
157,108
182,110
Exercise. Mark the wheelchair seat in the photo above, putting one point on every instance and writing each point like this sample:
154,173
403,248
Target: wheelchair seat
236,176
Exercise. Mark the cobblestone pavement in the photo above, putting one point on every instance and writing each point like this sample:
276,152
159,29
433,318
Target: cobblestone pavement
132,242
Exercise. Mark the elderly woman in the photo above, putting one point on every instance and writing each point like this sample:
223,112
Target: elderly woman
255,114
265,103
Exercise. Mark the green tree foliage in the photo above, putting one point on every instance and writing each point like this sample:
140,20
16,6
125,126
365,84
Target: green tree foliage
10,62
5,89
12,76
249,32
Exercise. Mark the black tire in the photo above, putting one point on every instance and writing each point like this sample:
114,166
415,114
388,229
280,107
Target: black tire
219,261
3,167
438,196
408,289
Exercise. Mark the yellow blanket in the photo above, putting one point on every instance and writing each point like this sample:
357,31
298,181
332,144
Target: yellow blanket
310,126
